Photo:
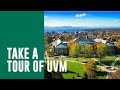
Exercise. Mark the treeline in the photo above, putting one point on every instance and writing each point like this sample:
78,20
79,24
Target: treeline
97,49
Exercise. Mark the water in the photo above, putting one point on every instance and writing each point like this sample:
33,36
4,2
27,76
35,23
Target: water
59,30
74,29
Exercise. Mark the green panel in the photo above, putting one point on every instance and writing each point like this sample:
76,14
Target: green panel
21,29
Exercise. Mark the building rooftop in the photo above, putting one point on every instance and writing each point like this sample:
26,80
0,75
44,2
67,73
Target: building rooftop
63,44
110,44
83,40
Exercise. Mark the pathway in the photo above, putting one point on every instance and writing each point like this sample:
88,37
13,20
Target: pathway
104,67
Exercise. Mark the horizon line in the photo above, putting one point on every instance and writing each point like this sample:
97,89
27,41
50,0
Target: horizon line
81,26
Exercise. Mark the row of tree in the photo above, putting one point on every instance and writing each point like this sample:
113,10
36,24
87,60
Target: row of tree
98,49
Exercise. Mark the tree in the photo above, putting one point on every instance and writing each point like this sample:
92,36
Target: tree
85,76
62,38
118,46
114,75
75,50
73,37
91,69
46,46
66,37
51,53
102,50
70,43
48,39
116,37
89,51
52,75
91,74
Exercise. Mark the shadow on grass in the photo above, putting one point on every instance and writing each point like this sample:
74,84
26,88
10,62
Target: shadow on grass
107,62
84,61
118,63
101,73
69,72
110,62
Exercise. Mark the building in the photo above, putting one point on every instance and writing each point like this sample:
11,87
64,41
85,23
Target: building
100,40
112,47
61,49
56,42
85,40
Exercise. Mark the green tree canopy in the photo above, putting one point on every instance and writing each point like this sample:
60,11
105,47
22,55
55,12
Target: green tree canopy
102,50
52,75
91,69
48,39
89,51
75,50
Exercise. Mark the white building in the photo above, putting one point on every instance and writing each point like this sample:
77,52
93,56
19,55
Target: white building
100,40
56,42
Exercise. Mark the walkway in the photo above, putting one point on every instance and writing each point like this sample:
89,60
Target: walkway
104,67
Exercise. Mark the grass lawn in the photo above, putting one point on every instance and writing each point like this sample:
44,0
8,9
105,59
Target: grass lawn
101,74
106,60
109,60
79,59
76,71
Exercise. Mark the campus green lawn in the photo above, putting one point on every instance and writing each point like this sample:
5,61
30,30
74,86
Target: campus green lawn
101,74
108,60
76,71
79,59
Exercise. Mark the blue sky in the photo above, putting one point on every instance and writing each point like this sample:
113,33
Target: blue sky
82,18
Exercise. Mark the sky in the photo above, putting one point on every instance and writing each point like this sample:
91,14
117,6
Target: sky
82,18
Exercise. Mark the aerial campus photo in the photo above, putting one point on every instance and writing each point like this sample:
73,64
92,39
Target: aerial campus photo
88,40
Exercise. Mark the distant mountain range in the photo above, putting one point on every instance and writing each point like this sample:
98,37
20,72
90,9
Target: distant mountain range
70,28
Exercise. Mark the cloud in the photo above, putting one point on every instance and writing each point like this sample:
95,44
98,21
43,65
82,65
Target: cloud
81,15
